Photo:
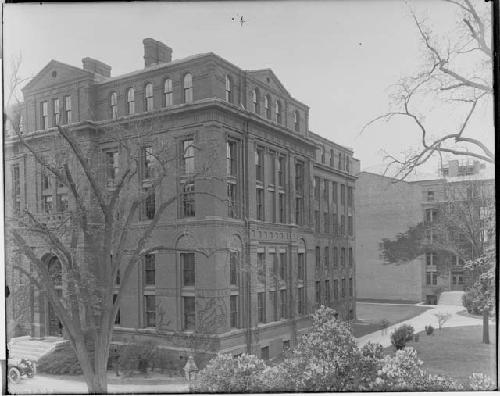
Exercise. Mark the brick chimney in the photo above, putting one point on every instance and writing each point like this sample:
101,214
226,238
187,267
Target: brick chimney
156,52
95,66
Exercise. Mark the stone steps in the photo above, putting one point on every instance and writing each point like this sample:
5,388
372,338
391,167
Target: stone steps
25,347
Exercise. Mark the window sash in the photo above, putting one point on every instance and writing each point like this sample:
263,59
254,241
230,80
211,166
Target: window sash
188,269
189,309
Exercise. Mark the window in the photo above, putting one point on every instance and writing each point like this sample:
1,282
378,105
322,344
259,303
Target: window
299,177
328,299
342,257
261,266
21,123
282,269
168,92
332,158
150,310
189,313
188,199
430,196
147,163
430,258
267,106
273,297
150,203
117,278
326,255
264,353
300,301
296,121
275,269
229,89
318,260
261,307
272,168
117,317
301,267
317,183
67,109
47,204
431,278
342,294
350,194
255,101
233,267
342,194
148,97
334,192
326,222
130,101
278,111
233,312
335,256
342,224
351,257
318,293
281,170
188,88
231,158
283,304
149,270
335,289
326,192
347,163
46,180
188,269
299,210
114,105
339,164
112,168
44,115
281,207
188,156
259,164
323,158
260,203
16,181
351,287
232,208
316,221
55,115
61,203
350,229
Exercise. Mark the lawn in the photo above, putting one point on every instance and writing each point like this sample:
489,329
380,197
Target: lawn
370,315
456,352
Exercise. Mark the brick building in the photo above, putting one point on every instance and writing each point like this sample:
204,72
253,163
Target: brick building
287,211
386,209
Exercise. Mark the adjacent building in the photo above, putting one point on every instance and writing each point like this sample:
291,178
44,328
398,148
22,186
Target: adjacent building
287,212
386,208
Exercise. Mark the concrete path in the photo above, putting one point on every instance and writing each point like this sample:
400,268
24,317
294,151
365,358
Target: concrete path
451,298
419,322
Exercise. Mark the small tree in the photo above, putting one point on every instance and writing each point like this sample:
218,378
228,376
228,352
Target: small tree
442,318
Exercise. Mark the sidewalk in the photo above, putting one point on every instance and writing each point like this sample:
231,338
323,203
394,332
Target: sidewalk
419,322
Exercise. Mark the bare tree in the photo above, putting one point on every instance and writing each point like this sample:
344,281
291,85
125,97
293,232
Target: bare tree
457,76
97,234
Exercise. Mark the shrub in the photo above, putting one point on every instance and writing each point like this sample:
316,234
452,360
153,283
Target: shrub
481,382
226,374
137,357
429,329
401,336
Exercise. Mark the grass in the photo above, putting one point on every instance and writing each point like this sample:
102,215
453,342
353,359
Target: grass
370,315
456,352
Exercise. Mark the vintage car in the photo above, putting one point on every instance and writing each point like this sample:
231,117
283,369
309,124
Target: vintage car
18,368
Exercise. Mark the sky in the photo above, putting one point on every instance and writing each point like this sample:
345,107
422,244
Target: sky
338,57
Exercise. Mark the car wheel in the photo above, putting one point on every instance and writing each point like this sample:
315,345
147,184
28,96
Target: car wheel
14,374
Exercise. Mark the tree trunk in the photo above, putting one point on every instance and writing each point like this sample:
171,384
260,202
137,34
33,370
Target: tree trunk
486,330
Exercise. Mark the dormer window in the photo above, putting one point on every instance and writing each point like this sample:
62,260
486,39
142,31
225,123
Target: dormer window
229,89
67,109
255,101
296,120
188,88
267,106
278,111
114,105
130,101
148,97
44,115
168,92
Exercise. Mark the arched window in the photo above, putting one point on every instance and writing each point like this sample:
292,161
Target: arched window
229,89
255,100
55,270
167,90
296,120
130,101
148,97
267,106
188,88
114,105
278,111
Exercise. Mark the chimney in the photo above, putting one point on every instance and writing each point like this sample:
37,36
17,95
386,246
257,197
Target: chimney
156,52
95,66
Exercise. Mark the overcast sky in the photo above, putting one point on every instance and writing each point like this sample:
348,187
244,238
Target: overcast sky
338,57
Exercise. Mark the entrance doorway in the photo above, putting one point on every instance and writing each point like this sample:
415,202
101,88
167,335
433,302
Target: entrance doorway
457,281
54,325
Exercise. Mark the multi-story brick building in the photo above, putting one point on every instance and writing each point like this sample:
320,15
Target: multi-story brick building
287,208
386,209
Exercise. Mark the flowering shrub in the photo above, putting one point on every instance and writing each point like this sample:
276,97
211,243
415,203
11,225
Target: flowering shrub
225,374
481,382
